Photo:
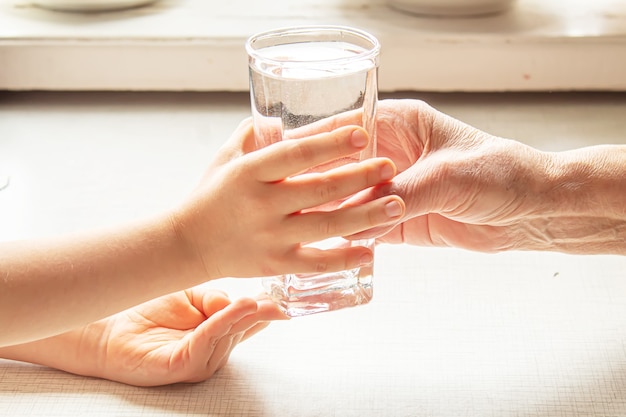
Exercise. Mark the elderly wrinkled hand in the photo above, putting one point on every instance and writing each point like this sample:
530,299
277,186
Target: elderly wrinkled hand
466,188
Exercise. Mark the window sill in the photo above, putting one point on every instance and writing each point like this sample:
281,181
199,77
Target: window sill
197,45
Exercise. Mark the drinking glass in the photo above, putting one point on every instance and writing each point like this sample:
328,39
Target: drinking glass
300,77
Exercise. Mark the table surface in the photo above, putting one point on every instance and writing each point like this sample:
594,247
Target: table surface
448,333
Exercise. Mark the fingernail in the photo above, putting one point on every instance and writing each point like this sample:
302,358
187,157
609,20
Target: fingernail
366,259
393,209
359,138
386,173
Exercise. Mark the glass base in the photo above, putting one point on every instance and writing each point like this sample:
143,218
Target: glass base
304,294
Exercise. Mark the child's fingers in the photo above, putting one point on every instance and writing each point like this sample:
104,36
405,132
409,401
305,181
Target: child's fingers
290,157
240,142
245,326
220,354
312,190
254,330
207,300
208,334
318,225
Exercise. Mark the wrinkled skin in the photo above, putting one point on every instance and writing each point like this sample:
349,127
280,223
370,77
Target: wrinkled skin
465,188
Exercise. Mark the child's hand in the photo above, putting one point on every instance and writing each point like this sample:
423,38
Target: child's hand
181,337
245,219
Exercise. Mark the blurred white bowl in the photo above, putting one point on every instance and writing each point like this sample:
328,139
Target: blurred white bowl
452,7
89,5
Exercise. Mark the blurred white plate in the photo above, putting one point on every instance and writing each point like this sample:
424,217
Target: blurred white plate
452,7
89,6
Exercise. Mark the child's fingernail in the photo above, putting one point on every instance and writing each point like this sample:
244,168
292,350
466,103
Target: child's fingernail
393,209
366,259
386,173
359,138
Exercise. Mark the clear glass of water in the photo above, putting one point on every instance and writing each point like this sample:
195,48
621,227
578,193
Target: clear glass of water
300,77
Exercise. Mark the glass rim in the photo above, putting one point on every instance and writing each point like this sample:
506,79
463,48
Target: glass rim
368,53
